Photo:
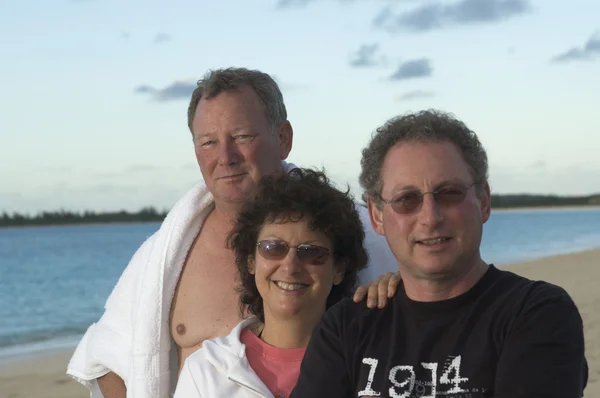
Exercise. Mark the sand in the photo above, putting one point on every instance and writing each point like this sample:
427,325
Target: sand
43,376
40,376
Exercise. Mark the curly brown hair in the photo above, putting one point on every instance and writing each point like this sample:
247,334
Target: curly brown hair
300,194
425,126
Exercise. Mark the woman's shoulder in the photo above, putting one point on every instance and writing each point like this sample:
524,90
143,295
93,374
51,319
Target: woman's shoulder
229,345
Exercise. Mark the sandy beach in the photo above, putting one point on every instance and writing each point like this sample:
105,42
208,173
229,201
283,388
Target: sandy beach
43,376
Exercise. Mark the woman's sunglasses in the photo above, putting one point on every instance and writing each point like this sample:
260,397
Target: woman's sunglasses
306,253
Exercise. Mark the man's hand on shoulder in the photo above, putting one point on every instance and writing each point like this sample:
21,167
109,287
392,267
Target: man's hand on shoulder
378,291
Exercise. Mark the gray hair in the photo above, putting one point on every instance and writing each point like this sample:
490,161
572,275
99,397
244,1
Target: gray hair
218,81
424,126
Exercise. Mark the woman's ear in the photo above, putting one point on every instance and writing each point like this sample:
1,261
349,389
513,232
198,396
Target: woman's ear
251,265
338,274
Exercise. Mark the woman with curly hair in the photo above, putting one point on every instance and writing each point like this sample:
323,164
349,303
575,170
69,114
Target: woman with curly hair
299,248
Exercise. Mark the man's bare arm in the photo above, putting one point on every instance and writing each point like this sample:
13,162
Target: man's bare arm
112,386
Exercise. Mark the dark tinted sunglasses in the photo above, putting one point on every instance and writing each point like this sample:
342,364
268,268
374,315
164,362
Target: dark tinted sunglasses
410,202
307,253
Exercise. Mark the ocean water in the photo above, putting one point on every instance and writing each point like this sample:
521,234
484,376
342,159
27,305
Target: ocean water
54,280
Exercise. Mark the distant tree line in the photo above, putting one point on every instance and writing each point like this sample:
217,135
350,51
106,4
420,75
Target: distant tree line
150,214
526,200
63,217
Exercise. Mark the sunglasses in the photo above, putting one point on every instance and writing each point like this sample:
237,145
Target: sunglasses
410,202
306,253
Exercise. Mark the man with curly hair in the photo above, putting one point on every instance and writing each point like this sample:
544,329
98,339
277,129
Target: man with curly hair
458,327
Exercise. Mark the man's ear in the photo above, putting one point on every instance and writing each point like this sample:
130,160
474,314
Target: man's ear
486,202
376,216
286,138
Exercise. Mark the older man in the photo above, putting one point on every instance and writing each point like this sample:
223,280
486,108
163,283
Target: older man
179,288
458,326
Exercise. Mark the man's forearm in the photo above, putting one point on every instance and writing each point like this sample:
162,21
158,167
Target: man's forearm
112,386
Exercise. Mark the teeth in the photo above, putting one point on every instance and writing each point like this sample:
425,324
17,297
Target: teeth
290,286
432,241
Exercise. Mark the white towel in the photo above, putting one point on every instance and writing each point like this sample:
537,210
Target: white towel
132,338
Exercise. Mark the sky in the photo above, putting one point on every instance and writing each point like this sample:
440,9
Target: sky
94,93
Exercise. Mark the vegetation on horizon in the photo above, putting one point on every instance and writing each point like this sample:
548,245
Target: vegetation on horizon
529,200
63,217
150,214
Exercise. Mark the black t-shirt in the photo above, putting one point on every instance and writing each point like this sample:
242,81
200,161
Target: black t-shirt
507,337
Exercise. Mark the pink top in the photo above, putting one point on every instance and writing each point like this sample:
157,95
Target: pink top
278,368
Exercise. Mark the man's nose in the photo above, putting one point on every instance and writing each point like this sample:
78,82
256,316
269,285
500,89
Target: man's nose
228,153
430,213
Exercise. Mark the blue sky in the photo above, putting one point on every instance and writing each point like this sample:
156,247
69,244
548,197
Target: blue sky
94,93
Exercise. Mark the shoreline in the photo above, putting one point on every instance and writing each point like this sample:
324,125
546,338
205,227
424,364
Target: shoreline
524,260
42,373
15,352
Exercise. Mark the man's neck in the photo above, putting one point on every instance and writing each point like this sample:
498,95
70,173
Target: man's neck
294,332
226,214
438,289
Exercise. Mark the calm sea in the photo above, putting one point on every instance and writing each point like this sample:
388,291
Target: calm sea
54,280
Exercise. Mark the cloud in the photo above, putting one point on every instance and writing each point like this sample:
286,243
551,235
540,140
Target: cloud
161,38
413,69
589,50
293,3
433,16
416,94
177,90
538,165
183,89
303,3
367,56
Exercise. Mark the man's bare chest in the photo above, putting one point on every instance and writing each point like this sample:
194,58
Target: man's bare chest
206,304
